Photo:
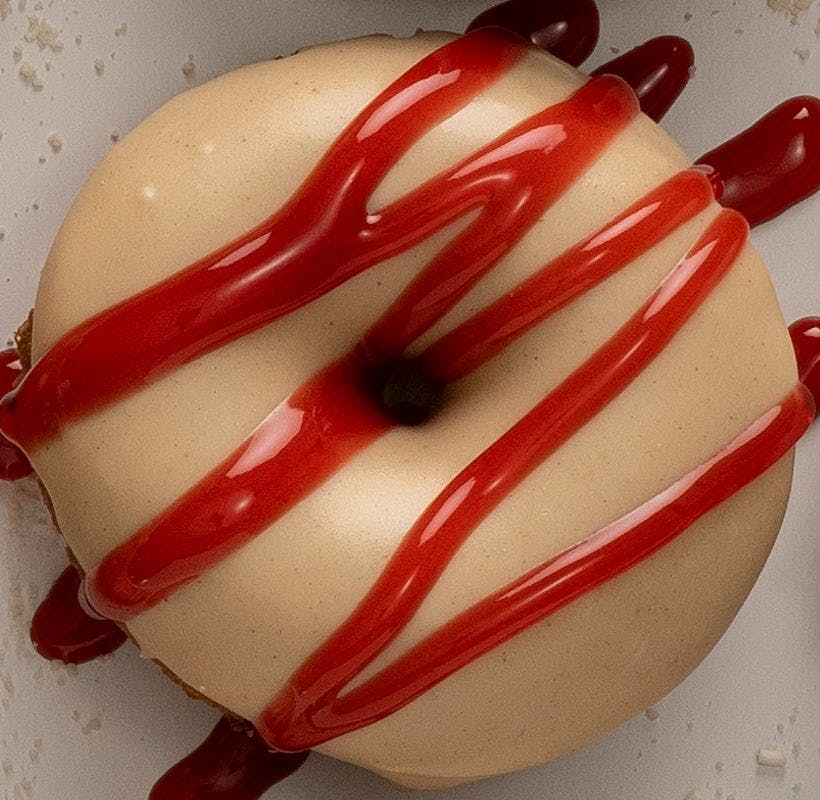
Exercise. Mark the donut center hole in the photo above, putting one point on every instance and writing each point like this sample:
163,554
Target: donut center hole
405,392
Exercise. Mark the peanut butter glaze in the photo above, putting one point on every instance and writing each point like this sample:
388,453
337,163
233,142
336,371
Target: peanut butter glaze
358,421
332,417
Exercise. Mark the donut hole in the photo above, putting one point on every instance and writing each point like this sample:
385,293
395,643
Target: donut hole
406,394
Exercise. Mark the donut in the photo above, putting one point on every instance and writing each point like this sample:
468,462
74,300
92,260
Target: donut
398,397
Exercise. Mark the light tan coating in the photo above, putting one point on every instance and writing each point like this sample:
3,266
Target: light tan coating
218,159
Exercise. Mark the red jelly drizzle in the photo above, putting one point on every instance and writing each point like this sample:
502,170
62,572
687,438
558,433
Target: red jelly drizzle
311,434
62,630
309,709
616,244
313,712
233,763
805,334
657,70
773,164
566,28
323,236
13,462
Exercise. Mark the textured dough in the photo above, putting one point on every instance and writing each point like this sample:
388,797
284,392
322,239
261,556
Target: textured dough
220,158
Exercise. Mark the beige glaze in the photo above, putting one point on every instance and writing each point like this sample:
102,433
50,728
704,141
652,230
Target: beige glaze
220,158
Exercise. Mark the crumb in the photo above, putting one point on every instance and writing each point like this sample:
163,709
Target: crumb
115,136
188,67
99,66
5,9
802,53
652,713
771,756
121,31
792,9
796,748
41,160
78,39
17,54
719,766
92,725
55,142
30,77
687,16
615,50
34,752
43,35
2,234
36,205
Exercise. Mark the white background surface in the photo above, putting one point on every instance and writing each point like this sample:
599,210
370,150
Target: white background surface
108,729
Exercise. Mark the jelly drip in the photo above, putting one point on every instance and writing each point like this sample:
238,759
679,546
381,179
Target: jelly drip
805,335
63,631
233,763
657,70
13,462
771,165
566,28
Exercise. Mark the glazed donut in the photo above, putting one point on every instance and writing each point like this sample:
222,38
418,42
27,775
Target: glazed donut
230,302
